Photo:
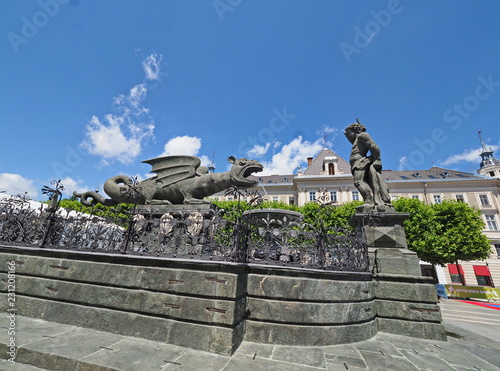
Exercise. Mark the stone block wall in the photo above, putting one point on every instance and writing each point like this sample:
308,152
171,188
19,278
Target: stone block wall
208,306
309,309
405,302
200,307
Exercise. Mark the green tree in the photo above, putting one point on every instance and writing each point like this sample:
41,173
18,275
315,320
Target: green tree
444,233
118,212
328,217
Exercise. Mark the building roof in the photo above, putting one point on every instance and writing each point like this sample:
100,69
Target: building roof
434,173
275,179
316,167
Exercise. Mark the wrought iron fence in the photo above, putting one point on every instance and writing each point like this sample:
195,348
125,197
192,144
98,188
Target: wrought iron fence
258,237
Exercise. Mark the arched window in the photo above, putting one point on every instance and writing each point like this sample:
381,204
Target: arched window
331,169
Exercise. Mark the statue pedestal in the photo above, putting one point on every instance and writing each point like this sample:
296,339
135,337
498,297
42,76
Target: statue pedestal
405,301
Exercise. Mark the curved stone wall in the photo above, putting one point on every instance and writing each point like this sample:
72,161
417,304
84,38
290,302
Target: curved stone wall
310,309
202,305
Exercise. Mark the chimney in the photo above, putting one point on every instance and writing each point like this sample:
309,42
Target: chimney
309,161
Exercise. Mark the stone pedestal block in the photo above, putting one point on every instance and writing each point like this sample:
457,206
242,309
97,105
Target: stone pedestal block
405,302
315,309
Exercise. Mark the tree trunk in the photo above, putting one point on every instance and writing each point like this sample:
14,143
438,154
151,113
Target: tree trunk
462,278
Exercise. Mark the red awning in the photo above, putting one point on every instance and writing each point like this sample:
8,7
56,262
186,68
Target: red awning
453,269
481,270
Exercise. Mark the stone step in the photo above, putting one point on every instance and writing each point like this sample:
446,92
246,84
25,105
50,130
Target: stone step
47,345
43,345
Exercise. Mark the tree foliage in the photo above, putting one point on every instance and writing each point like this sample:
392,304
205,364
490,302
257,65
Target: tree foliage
328,217
444,233
118,212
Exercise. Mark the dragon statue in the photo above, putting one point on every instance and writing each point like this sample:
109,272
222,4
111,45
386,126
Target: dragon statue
178,180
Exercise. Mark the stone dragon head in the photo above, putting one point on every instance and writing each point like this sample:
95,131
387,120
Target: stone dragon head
241,170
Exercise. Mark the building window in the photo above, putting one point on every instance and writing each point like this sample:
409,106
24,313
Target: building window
333,196
331,169
355,195
497,248
491,222
437,199
291,200
484,200
312,196
483,275
460,198
275,198
455,277
492,173
416,197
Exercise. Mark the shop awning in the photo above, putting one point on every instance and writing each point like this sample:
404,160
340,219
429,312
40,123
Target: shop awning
481,270
453,269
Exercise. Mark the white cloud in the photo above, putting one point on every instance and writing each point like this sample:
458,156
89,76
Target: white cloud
403,163
325,129
119,137
258,150
468,155
328,134
205,161
290,156
71,185
14,184
184,145
151,66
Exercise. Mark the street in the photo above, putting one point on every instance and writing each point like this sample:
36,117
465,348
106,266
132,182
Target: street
479,319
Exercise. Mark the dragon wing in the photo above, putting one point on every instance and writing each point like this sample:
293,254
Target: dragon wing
172,169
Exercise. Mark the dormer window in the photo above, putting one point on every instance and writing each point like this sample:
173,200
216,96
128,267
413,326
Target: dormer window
331,169
330,164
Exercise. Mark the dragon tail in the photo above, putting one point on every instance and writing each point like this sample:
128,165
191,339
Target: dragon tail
91,198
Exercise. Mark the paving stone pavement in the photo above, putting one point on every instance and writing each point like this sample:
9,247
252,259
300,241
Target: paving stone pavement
43,345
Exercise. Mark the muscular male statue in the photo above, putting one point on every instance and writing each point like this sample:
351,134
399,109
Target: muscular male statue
367,170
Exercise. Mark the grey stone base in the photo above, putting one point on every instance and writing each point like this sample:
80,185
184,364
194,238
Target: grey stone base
407,305
205,306
214,306
215,339
405,302
287,334
423,330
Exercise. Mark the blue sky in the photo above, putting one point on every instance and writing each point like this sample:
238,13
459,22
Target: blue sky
92,88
